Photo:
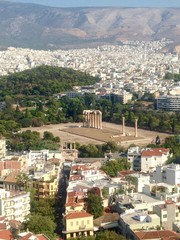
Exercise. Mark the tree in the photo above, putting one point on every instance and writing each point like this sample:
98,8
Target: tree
94,205
95,191
109,235
158,141
132,181
23,181
41,224
105,192
83,238
112,167
48,136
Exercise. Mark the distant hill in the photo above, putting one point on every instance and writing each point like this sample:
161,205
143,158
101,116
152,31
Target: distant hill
43,81
41,27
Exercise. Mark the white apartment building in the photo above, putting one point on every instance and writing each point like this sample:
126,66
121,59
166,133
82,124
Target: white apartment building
126,97
151,158
42,155
169,174
133,153
14,205
143,179
89,173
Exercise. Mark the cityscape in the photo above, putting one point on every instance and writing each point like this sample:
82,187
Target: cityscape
90,137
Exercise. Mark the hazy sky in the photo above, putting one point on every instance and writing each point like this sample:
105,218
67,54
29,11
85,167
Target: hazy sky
114,3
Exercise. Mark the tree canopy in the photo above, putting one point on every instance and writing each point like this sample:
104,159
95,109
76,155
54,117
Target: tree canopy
112,167
94,205
41,219
44,81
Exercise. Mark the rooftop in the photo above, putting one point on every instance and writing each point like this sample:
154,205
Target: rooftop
161,234
78,215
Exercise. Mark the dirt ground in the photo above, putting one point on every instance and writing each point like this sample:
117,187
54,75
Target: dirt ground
110,132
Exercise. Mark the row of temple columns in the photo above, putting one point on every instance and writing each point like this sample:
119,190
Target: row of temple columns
69,145
92,119
124,129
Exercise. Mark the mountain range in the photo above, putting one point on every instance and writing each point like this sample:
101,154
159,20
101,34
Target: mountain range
41,27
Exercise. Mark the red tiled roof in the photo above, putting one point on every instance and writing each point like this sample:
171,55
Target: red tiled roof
3,226
6,235
11,178
38,236
72,204
42,237
77,215
76,177
3,218
82,167
161,234
12,165
154,152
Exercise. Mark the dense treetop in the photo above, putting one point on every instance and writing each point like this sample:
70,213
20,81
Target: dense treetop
44,81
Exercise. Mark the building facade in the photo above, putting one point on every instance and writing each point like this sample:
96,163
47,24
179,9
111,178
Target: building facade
78,224
169,103
14,205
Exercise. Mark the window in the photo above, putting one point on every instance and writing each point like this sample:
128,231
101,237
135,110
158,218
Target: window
165,216
87,221
77,223
82,222
71,224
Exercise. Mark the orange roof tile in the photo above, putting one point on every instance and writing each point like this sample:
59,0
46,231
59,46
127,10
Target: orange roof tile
6,235
42,237
3,226
11,178
77,215
12,165
154,152
161,234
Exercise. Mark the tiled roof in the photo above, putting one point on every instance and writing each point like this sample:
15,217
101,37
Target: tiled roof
38,236
3,226
77,215
75,177
6,235
154,152
3,218
42,237
11,178
12,165
161,234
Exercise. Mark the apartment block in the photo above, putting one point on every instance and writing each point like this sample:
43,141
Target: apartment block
169,103
15,205
168,213
151,158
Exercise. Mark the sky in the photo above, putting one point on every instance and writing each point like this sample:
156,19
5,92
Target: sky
104,3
